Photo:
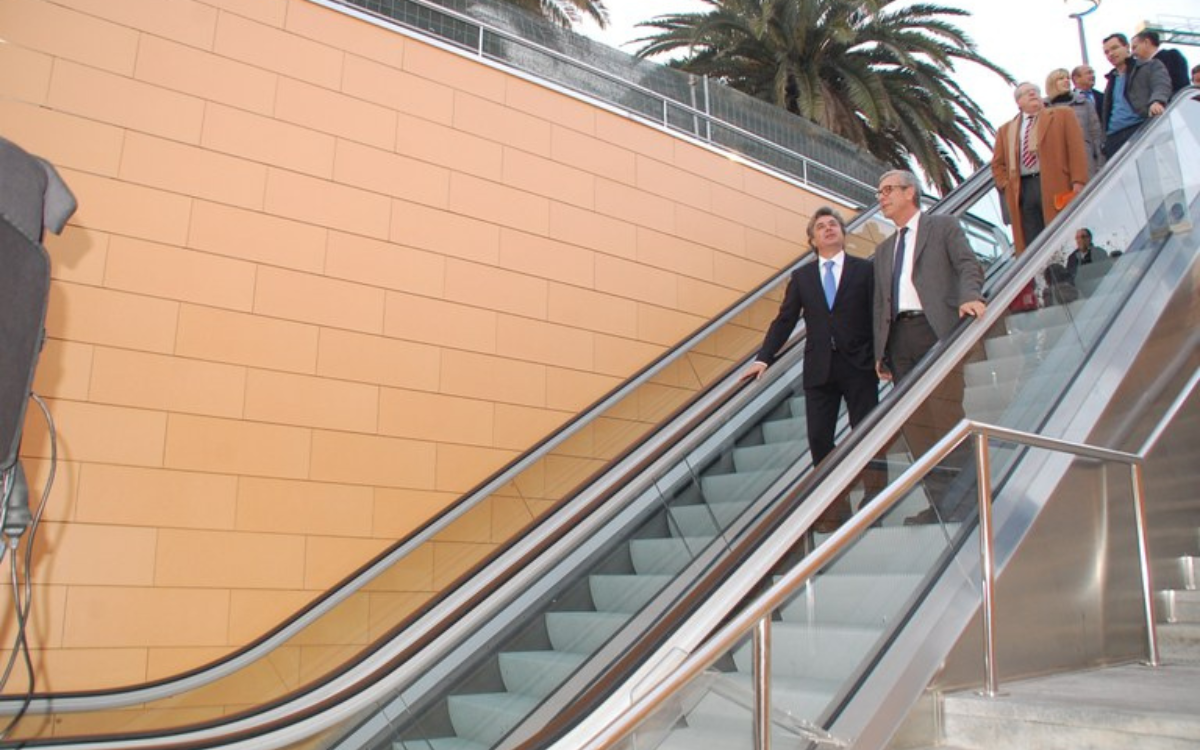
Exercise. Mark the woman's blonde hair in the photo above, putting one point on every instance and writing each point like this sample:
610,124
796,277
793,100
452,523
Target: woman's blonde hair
1053,76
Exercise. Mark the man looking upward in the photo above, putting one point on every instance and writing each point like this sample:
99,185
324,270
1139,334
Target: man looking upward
835,296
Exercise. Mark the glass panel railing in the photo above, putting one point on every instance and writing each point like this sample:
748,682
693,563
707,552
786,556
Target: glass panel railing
1046,370
699,502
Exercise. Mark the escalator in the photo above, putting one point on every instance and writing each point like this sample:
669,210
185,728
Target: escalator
523,642
862,626
377,621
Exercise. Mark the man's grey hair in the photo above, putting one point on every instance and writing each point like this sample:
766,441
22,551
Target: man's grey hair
1023,84
907,179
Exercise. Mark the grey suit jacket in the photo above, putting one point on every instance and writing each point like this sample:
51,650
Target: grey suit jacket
946,274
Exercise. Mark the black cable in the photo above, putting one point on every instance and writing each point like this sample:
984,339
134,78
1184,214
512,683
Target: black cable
24,604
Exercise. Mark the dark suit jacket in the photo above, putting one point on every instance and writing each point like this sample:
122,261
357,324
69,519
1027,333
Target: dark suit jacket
1177,68
946,274
848,325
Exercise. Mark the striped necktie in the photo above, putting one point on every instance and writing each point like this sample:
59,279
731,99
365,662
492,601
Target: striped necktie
1029,158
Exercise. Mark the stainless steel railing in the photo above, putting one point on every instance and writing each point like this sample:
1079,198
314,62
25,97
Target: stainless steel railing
754,620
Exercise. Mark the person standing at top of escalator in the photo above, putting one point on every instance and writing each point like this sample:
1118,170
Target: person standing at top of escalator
1039,160
1137,90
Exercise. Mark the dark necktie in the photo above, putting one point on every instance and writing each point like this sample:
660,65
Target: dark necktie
897,270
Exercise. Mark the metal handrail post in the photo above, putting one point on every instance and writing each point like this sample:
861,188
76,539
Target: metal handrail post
1139,514
762,684
987,560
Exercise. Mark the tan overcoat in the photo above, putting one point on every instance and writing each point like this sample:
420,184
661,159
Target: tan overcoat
1062,159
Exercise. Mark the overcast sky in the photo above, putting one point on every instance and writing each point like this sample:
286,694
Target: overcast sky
1029,38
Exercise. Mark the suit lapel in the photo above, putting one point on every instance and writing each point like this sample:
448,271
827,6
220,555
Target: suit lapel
1014,146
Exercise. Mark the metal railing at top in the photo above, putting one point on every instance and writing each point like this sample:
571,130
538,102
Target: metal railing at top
693,106
755,619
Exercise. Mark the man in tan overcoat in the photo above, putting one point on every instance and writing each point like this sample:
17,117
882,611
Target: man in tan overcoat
1039,156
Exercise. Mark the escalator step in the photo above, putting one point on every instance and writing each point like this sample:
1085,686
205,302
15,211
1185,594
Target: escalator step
440,743
703,519
855,599
537,673
896,549
781,430
737,487
665,555
487,717
822,652
625,593
768,456
582,632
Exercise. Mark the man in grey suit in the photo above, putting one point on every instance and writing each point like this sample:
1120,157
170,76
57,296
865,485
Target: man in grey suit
926,280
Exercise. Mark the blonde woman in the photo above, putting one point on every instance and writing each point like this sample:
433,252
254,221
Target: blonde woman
1059,93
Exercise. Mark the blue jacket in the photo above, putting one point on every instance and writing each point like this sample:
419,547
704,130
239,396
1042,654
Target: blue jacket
1146,82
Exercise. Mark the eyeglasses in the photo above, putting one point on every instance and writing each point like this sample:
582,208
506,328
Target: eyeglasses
888,189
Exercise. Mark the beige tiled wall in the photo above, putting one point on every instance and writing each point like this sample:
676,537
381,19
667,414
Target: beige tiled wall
323,278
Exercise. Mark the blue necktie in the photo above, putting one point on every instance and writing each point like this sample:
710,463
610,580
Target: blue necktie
830,285
898,268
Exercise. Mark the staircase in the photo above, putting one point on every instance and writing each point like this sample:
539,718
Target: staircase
1125,707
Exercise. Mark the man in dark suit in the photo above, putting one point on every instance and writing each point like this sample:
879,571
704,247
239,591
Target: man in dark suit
926,279
1146,46
834,295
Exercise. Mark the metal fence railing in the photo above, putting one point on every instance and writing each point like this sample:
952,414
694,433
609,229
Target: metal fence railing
756,130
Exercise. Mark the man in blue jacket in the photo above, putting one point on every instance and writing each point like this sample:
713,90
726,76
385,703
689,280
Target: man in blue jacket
1137,90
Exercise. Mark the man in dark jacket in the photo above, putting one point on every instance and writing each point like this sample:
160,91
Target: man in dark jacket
1146,47
835,296
1137,90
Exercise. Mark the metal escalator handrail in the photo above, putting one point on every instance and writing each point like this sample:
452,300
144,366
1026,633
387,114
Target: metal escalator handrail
746,621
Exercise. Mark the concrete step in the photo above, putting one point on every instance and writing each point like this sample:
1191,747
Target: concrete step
1123,707
1179,606
1179,643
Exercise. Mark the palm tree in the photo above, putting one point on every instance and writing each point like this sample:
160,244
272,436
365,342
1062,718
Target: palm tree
566,13
877,72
